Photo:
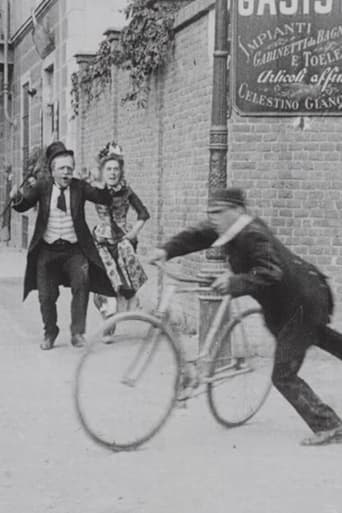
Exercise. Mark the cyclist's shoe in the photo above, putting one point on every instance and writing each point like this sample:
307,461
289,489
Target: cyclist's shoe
241,363
108,337
328,436
184,394
188,383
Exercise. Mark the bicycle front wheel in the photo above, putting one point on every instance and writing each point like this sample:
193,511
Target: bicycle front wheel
240,373
125,391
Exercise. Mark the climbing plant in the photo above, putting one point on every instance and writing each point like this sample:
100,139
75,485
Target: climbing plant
36,164
93,79
144,46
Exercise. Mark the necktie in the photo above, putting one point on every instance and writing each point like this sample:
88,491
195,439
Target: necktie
61,203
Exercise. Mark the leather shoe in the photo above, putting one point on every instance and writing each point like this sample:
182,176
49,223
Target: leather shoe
108,337
325,437
78,340
49,341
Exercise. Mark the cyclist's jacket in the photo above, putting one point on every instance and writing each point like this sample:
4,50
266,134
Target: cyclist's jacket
265,269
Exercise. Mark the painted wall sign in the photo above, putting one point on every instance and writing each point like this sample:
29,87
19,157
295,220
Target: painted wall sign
287,57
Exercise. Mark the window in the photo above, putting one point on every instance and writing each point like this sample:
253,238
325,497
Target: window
50,106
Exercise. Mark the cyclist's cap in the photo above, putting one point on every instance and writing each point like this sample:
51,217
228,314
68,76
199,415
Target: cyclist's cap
231,197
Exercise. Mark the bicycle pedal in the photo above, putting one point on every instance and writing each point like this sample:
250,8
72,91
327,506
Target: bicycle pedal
182,406
185,393
241,364
129,382
162,316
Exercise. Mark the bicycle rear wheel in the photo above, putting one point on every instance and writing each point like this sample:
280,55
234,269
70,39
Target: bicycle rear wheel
241,369
125,391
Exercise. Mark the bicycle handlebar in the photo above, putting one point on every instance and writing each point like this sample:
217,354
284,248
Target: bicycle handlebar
182,278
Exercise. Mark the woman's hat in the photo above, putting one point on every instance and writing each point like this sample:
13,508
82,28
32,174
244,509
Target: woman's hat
112,149
57,149
232,196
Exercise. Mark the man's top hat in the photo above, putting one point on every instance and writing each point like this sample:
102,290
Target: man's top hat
56,149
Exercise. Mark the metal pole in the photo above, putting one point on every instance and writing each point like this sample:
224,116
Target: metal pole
219,129
218,155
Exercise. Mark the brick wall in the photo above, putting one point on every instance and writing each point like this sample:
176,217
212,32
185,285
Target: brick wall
293,178
291,172
166,144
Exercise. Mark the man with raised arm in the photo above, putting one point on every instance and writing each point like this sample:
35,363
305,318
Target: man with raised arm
62,251
296,300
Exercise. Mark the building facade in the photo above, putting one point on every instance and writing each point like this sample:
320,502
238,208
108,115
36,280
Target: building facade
289,166
42,40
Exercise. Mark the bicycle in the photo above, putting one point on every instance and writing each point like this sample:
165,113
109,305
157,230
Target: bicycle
146,371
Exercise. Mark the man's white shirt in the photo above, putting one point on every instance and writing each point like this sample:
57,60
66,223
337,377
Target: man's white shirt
60,224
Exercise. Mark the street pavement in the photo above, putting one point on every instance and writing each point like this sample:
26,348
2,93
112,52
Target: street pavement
193,465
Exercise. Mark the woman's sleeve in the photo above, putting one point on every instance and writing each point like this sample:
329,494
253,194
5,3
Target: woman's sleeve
139,207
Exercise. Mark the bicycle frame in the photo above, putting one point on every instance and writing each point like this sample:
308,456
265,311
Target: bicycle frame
159,322
203,359
171,289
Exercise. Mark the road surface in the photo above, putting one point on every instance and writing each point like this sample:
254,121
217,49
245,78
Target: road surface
194,465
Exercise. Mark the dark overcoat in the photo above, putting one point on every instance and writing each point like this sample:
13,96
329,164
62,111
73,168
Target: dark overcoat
80,192
265,269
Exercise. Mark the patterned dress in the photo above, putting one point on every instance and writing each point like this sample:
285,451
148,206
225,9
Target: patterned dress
118,254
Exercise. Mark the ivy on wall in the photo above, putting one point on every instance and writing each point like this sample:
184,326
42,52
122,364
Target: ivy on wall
36,164
144,46
93,79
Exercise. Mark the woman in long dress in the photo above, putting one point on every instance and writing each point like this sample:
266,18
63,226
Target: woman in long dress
115,240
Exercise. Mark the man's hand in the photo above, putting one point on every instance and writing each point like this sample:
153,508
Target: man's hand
31,180
157,255
14,192
222,283
131,236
